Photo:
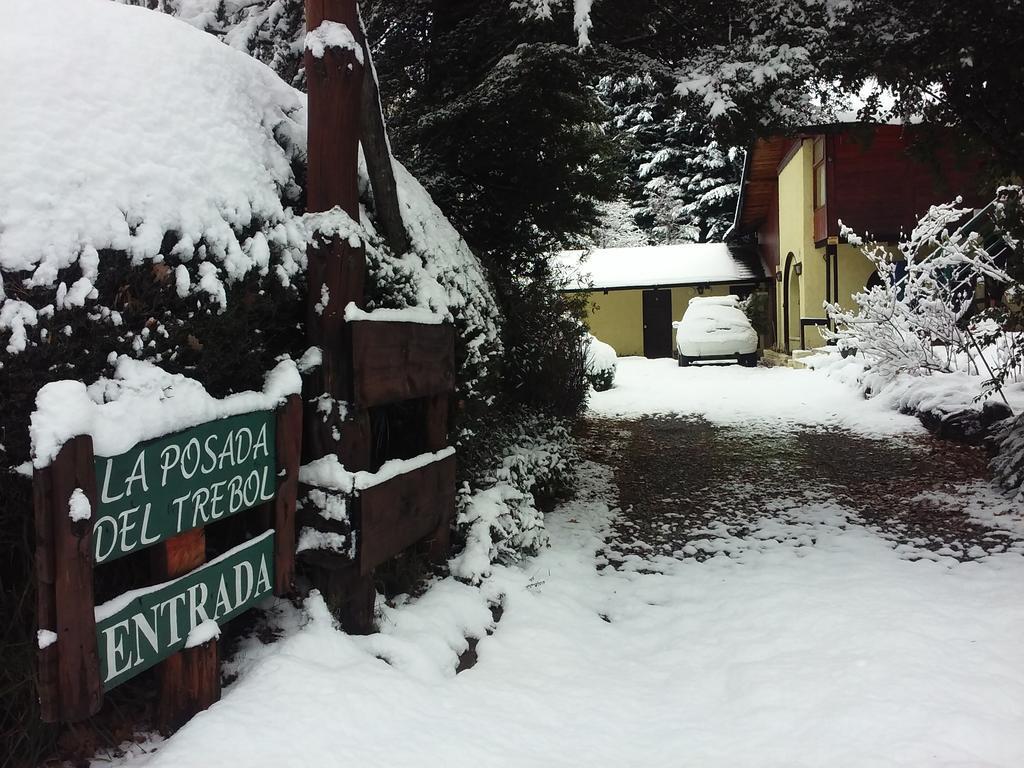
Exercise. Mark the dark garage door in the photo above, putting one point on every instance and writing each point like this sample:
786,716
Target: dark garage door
657,323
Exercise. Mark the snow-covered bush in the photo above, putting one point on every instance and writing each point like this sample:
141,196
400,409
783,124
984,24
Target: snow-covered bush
199,206
543,333
601,363
498,509
1008,463
920,319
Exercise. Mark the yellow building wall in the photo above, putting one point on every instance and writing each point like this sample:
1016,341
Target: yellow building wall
796,236
854,272
617,318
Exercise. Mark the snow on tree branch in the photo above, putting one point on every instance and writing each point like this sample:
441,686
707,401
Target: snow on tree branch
543,9
919,319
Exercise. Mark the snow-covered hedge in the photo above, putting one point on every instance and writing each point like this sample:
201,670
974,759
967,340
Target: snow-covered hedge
271,31
189,157
130,133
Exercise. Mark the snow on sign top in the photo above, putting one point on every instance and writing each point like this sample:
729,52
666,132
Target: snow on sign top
141,402
683,264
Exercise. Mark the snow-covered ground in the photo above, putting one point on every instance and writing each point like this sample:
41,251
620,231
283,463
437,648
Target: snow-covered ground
779,398
809,640
941,393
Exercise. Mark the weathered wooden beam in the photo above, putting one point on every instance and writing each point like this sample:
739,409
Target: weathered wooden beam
401,361
288,448
377,151
435,417
46,597
336,270
334,83
350,595
80,692
189,681
401,511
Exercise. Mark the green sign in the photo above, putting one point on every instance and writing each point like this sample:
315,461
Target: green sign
187,480
145,626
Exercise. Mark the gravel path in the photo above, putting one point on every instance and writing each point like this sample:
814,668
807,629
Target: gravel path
683,480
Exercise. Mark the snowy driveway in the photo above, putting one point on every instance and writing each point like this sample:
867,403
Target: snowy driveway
731,394
749,606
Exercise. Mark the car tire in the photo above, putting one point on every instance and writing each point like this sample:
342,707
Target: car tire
684,361
748,361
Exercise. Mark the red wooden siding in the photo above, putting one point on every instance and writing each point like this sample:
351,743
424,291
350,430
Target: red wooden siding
878,188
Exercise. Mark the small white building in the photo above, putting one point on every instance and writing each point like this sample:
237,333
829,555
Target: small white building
635,293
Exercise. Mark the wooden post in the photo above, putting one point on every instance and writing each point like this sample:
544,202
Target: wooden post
78,668
46,596
436,418
338,271
69,671
351,598
289,445
189,681
335,269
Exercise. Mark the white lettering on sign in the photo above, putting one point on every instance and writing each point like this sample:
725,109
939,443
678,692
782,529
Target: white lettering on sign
172,487
136,639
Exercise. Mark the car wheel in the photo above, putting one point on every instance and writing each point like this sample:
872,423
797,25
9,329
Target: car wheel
684,361
748,361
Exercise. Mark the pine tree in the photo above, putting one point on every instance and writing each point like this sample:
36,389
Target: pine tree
681,183
495,118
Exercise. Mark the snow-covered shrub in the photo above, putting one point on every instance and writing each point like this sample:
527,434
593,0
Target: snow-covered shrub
601,363
920,319
498,515
758,309
543,333
1008,463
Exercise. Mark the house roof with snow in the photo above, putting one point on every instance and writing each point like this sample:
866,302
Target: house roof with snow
659,266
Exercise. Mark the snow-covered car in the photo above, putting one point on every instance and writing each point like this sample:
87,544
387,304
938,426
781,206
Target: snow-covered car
715,328
600,363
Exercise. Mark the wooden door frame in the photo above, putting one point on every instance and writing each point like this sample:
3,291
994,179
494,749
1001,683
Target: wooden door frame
790,258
